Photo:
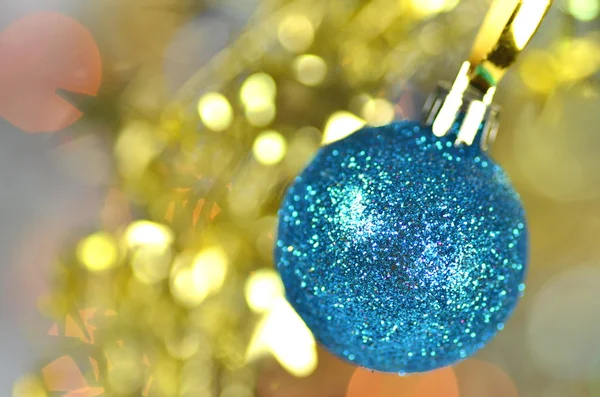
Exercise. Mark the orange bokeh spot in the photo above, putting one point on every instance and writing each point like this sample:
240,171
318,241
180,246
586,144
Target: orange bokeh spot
64,374
366,383
175,206
41,53
440,383
53,331
95,368
477,378
73,330
115,212
330,378
146,391
86,392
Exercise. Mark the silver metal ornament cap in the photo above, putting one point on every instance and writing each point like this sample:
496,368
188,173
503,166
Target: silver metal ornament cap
507,29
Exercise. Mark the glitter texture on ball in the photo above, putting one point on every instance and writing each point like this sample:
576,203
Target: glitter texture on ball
402,252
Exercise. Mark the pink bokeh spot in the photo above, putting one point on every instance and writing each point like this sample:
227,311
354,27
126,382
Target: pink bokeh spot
41,53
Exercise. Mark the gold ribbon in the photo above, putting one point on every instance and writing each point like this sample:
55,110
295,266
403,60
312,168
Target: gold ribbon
507,28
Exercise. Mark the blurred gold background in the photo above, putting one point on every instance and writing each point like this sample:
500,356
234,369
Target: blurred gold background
208,109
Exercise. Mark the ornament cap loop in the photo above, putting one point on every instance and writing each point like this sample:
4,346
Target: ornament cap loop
508,27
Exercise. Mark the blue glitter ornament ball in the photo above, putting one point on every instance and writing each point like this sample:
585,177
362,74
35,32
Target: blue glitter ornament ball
402,252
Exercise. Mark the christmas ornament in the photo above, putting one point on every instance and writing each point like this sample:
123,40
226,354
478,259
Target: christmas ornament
404,247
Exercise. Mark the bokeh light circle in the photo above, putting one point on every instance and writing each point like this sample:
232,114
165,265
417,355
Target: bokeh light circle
41,53
367,383
594,379
564,324
478,378
269,147
440,383
556,151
